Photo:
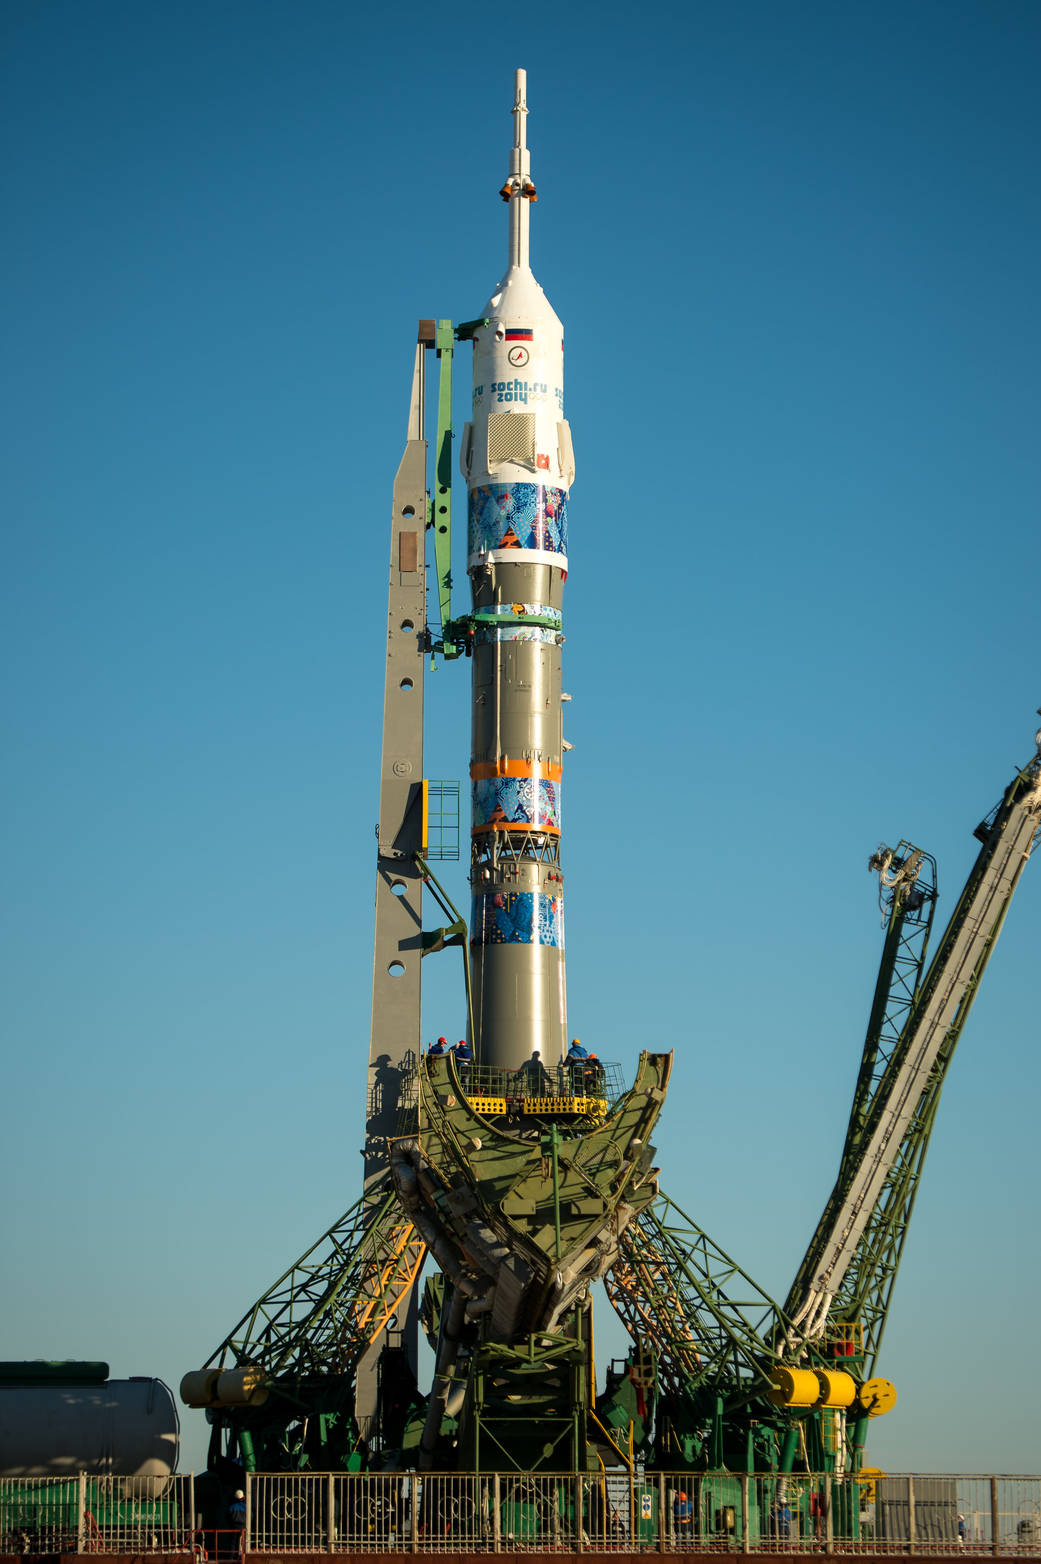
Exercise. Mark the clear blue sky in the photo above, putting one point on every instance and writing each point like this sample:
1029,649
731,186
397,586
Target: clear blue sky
797,249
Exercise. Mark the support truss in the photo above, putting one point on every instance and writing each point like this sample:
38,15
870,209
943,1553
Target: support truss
338,1298
711,1327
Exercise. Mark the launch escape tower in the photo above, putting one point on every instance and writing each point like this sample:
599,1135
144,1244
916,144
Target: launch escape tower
526,1178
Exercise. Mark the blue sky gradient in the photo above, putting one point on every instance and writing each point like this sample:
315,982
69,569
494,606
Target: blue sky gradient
796,251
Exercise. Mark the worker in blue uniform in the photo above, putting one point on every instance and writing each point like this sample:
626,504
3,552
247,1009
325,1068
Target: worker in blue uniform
237,1522
574,1065
683,1518
464,1058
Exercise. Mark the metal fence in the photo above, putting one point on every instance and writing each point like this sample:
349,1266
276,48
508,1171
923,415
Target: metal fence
513,1512
88,1514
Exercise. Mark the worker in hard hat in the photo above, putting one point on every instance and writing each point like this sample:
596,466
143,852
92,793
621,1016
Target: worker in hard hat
464,1058
574,1065
593,1076
237,1511
683,1518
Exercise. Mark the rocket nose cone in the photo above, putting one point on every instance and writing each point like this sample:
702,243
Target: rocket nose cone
520,294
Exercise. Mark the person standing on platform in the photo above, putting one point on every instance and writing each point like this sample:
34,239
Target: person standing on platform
464,1058
574,1062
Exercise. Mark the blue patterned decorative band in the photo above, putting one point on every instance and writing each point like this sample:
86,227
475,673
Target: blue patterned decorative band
517,918
527,803
532,622
517,516
514,611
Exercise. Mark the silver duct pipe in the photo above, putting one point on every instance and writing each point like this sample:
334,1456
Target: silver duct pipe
440,1390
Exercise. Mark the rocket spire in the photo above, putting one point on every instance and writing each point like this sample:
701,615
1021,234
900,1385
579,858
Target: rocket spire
518,189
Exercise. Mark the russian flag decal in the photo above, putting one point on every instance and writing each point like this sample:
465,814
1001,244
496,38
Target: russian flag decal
519,334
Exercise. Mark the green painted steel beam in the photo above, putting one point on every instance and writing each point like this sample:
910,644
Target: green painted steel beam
454,934
910,1082
712,1327
305,1323
896,989
441,503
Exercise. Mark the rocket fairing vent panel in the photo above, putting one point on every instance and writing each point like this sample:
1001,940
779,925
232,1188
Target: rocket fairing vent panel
565,453
511,438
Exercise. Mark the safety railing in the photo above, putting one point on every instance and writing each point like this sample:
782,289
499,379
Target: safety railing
90,1514
511,1512
589,1080
553,1091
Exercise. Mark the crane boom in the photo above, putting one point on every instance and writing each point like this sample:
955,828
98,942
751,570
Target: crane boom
907,895
904,1099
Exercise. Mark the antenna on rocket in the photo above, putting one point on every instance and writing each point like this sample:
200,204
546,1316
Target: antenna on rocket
519,190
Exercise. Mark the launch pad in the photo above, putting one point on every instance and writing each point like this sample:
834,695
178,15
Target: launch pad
522,1167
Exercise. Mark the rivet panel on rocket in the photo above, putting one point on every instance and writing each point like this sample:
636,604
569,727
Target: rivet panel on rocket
517,459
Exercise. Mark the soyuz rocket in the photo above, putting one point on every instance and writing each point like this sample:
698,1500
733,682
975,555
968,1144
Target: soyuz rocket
517,458
519,1182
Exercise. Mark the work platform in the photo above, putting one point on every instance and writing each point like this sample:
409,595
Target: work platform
580,1091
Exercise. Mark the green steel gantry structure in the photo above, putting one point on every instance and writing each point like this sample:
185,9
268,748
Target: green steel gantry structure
521,1191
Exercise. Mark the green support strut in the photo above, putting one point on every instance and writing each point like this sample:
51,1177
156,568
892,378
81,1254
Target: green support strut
441,504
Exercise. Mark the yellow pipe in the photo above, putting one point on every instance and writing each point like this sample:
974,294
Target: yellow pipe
607,1436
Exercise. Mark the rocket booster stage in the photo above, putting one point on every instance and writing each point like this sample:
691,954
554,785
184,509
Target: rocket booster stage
517,458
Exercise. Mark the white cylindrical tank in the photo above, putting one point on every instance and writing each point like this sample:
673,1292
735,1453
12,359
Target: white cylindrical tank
122,1428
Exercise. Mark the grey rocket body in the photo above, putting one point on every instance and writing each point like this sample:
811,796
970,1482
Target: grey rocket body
517,459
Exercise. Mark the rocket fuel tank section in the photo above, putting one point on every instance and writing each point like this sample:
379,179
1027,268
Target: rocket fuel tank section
517,460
